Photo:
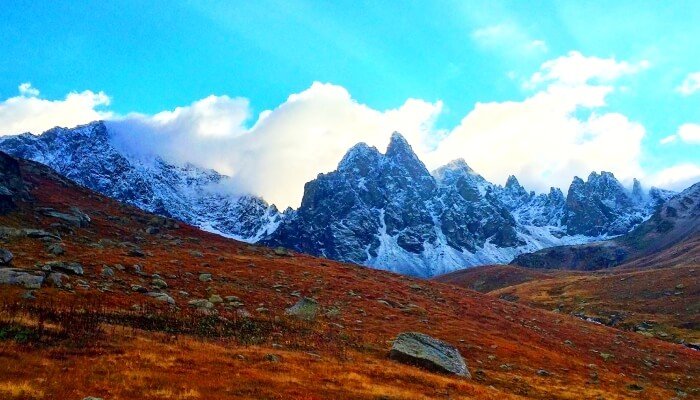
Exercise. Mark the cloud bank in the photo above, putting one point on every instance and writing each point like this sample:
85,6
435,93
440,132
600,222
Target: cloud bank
560,129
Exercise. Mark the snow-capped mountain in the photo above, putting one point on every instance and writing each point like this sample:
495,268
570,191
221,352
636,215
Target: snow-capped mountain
388,211
382,210
88,155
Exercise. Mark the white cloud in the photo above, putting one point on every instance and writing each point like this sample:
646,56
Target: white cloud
690,85
286,147
29,113
668,139
510,38
577,69
542,139
677,177
559,131
687,133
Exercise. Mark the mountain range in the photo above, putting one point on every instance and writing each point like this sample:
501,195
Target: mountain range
385,210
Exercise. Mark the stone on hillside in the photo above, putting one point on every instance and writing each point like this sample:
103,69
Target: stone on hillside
5,257
427,352
57,279
205,277
40,234
282,252
14,276
215,298
56,249
159,283
160,296
69,267
135,252
138,289
107,272
201,303
305,308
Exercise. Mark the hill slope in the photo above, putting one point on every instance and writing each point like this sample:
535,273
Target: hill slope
113,333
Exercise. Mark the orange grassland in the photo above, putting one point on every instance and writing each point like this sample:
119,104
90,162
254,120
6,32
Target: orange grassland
108,341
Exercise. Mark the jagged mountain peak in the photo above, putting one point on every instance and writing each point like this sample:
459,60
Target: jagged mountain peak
455,169
87,155
361,153
512,183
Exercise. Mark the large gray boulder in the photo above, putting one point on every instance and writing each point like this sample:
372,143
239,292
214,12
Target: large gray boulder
14,276
429,353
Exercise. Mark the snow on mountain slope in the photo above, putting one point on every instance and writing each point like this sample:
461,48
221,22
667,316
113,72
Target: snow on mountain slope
382,210
387,211
88,155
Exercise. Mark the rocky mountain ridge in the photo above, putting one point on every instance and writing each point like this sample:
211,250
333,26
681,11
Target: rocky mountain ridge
87,155
388,211
382,210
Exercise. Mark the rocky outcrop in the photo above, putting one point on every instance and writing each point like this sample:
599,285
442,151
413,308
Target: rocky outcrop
676,220
387,211
92,156
16,276
427,352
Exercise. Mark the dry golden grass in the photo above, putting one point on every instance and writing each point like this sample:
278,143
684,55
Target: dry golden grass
110,342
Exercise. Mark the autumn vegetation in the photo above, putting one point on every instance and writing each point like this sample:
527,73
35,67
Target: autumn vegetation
101,338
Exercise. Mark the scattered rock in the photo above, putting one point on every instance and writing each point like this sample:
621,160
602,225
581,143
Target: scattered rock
196,253
69,267
56,249
543,372
107,272
5,257
57,279
92,398
606,356
136,252
138,289
40,234
282,252
215,298
205,277
76,218
160,296
14,276
428,352
201,303
159,283
152,230
305,308
272,358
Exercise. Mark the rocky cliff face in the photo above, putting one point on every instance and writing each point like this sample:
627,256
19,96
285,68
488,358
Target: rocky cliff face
675,220
87,155
382,210
388,211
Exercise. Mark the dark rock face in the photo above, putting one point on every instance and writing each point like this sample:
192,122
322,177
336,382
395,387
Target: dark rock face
583,257
89,156
12,187
676,220
378,208
388,211
427,352
594,207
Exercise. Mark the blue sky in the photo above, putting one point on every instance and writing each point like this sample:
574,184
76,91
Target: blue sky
151,56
